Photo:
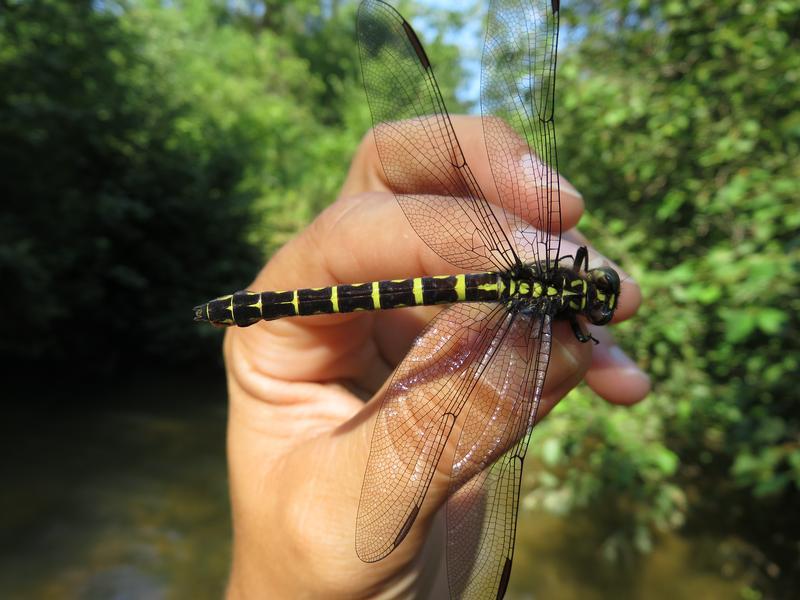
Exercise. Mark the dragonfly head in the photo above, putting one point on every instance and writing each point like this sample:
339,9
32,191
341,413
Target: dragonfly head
603,295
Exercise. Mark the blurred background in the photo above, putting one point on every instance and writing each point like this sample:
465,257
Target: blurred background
154,154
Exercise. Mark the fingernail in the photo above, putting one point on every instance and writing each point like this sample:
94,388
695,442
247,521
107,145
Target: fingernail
536,172
625,362
540,174
618,356
566,186
597,260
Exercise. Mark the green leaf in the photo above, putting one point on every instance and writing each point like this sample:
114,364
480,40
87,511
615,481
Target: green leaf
771,320
551,452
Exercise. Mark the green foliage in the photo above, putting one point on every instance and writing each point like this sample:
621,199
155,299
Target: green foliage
124,203
613,465
154,153
679,122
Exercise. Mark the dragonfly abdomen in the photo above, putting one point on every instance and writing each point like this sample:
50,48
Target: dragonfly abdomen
245,308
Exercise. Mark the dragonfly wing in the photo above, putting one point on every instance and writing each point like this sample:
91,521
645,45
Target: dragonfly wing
518,70
443,371
481,529
418,148
485,478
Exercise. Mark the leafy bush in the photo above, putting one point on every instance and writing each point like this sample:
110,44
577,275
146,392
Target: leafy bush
679,122
124,203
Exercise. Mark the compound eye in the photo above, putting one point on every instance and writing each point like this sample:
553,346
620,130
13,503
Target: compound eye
607,283
600,315
608,280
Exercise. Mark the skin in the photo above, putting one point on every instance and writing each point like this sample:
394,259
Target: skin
299,430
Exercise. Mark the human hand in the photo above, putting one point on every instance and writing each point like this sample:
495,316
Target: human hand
299,432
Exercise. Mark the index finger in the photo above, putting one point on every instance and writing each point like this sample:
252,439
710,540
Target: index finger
404,144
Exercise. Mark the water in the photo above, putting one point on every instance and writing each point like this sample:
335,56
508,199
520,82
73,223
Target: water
554,559
120,493
125,498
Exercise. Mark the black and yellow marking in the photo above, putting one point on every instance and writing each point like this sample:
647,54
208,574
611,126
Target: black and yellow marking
245,308
580,287
564,294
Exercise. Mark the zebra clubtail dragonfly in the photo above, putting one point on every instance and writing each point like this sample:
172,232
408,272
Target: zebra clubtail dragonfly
476,384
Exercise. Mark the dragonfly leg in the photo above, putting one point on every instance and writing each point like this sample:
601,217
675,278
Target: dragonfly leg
582,335
581,256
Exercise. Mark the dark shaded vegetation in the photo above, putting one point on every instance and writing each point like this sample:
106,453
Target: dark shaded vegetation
116,216
153,154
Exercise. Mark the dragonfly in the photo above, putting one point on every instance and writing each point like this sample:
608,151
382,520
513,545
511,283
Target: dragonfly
473,379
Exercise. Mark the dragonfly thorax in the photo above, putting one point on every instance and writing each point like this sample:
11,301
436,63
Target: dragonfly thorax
564,292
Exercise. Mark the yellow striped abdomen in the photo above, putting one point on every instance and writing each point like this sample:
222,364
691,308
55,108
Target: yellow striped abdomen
245,308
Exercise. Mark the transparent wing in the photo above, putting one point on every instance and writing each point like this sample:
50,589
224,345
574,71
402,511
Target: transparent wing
518,85
486,358
481,528
427,392
484,489
418,148
491,360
